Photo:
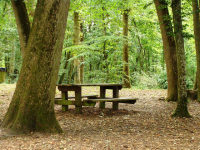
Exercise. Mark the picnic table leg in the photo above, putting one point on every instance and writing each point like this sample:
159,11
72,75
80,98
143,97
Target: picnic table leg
64,98
115,95
78,108
102,95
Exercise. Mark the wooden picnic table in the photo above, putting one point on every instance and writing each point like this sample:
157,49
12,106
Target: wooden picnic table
92,99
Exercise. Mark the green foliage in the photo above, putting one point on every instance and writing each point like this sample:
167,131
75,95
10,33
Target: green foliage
143,81
162,79
146,58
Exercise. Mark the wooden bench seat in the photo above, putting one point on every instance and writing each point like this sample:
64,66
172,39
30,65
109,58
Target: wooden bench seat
83,96
119,100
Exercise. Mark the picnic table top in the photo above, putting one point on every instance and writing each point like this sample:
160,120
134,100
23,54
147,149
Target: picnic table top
92,84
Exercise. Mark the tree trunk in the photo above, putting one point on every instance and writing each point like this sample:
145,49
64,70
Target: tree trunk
169,49
32,105
105,54
82,58
76,42
181,110
23,23
12,62
197,42
141,51
126,79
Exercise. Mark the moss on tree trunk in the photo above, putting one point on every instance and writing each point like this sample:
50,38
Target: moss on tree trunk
32,105
181,110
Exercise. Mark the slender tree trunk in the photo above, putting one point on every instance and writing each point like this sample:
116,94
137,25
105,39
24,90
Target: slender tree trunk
197,42
12,62
181,110
23,23
32,105
141,51
82,58
76,42
105,54
169,49
126,79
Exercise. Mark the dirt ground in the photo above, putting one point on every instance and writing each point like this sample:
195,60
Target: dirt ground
144,125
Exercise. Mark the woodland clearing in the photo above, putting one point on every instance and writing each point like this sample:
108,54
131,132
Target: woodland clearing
144,125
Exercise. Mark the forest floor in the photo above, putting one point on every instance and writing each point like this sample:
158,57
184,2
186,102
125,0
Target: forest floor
144,125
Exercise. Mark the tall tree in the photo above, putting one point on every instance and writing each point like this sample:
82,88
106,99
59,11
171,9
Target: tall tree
104,29
32,105
82,58
76,43
169,48
126,79
181,110
196,22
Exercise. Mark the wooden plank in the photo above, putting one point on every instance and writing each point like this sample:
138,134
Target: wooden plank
69,88
83,103
99,84
83,96
102,95
111,99
128,101
90,84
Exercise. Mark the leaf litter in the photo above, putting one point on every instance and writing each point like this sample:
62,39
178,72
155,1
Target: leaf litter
144,125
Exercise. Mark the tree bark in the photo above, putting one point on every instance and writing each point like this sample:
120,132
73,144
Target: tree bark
197,43
23,23
126,79
82,58
181,109
169,49
32,105
76,42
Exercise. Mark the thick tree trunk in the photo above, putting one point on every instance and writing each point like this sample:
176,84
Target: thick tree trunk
126,79
23,23
76,42
181,110
32,105
169,49
197,43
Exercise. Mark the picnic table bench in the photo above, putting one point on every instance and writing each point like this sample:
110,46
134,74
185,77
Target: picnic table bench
91,99
119,100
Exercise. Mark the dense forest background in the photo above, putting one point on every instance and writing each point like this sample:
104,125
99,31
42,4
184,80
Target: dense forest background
100,50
